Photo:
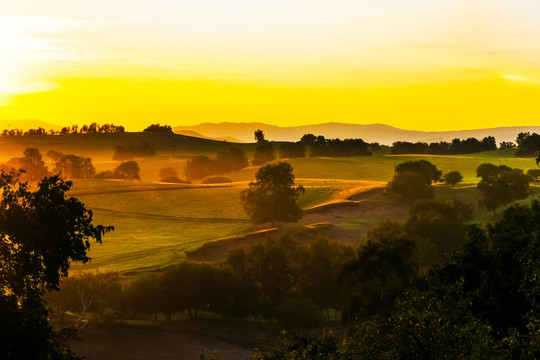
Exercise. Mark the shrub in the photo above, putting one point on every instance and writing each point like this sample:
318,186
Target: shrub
453,177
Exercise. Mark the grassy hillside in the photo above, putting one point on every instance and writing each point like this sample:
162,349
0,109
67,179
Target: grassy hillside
156,223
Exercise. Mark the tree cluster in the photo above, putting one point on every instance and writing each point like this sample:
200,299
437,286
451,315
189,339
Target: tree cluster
482,303
527,144
412,179
320,146
457,146
71,166
202,166
31,163
500,185
157,128
277,279
93,128
290,150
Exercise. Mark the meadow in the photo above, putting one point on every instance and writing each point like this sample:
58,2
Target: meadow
157,223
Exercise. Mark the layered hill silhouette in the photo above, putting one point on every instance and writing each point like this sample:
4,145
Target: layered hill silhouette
380,133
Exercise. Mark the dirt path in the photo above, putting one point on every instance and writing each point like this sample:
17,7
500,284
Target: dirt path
347,219
180,340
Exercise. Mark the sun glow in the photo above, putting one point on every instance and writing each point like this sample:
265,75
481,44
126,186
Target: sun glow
412,64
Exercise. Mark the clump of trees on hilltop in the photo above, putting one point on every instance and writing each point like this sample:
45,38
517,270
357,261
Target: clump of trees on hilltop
457,146
320,146
156,128
93,128
527,144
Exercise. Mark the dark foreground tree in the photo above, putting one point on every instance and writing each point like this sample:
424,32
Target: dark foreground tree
272,197
41,233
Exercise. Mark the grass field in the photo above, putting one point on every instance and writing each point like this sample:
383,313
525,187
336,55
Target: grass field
156,223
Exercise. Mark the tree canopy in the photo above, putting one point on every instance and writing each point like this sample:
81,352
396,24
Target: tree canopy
272,196
412,179
41,233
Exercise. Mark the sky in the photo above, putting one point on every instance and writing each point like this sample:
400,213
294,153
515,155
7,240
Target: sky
414,64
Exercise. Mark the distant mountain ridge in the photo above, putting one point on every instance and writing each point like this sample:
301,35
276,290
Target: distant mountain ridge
25,124
381,133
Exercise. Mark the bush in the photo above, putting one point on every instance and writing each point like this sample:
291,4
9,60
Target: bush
412,179
128,170
298,313
215,180
170,175
453,177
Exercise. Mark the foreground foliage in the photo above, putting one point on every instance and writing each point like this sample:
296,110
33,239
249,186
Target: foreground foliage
41,233
481,304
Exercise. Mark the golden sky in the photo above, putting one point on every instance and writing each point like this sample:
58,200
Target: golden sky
414,64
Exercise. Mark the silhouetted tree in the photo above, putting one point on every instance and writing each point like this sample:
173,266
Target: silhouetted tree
413,179
507,145
272,197
72,166
128,170
41,233
259,136
156,128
